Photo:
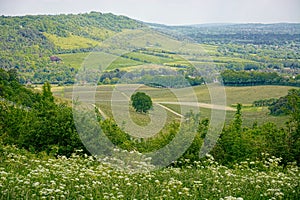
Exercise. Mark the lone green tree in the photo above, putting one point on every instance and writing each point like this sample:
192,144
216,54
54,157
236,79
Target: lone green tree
141,102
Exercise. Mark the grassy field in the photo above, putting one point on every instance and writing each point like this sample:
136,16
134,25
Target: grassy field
92,60
72,41
209,49
29,176
234,95
73,60
149,58
99,33
123,63
246,95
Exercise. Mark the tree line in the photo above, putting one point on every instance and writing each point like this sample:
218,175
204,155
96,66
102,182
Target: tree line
251,78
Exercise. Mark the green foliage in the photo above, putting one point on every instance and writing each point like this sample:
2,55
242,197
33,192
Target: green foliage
287,104
237,144
264,102
166,81
47,94
237,122
294,123
244,78
192,153
114,133
141,102
34,121
13,93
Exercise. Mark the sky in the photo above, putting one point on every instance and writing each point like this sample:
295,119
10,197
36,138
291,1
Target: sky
170,12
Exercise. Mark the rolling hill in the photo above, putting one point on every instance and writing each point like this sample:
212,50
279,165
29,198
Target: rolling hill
28,42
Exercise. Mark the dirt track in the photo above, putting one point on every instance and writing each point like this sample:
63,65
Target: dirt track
202,105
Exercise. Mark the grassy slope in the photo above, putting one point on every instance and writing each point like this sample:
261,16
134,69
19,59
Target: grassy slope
73,60
99,33
72,41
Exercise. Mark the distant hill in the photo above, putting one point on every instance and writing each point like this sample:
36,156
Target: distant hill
27,42
255,33
277,28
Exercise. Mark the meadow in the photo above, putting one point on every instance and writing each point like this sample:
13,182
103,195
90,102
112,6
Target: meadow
39,176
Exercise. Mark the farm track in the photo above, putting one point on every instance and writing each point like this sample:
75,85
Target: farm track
168,109
201,105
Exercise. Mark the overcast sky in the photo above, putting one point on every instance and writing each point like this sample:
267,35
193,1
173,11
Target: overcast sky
172,12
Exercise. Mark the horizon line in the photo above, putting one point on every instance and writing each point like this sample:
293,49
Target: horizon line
153,22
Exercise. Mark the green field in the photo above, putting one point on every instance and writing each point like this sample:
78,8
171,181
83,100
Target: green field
72,41
234,95
73,60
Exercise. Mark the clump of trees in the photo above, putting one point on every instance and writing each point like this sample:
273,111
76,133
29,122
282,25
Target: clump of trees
166,78
264,102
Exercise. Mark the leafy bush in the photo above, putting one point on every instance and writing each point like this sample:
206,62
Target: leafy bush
35,122
283,105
